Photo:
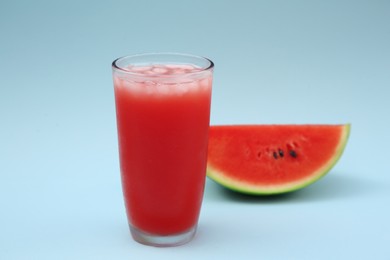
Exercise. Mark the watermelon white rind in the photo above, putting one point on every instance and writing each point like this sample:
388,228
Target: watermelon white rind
247,187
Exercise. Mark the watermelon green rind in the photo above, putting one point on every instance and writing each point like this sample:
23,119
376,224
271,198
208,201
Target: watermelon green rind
248,188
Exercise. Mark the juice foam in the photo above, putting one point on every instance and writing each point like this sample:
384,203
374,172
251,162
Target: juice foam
164,79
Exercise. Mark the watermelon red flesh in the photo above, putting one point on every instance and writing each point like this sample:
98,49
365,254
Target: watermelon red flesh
273,158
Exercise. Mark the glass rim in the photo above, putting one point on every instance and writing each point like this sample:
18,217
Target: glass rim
116,67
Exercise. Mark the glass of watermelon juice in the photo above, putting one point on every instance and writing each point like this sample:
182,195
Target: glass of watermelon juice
163,111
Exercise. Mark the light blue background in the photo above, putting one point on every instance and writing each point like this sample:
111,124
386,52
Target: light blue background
276,62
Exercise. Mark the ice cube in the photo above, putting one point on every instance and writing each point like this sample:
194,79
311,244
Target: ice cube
160,70
139,69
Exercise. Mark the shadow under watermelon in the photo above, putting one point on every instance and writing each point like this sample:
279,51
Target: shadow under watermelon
335,185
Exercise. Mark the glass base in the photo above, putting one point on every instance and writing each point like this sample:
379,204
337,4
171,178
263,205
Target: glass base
162,241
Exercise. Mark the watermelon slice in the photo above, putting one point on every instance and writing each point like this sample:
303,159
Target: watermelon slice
273,159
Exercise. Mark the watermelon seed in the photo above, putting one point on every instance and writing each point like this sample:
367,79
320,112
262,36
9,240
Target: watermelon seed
275,155
258,154
293,153
281,153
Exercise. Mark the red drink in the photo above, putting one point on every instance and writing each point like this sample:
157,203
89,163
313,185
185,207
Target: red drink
163,121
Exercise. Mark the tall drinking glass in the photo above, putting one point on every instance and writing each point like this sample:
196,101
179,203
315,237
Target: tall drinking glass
163,111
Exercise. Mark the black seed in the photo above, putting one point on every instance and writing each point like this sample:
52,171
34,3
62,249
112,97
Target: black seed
275,155
293,153
281,153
